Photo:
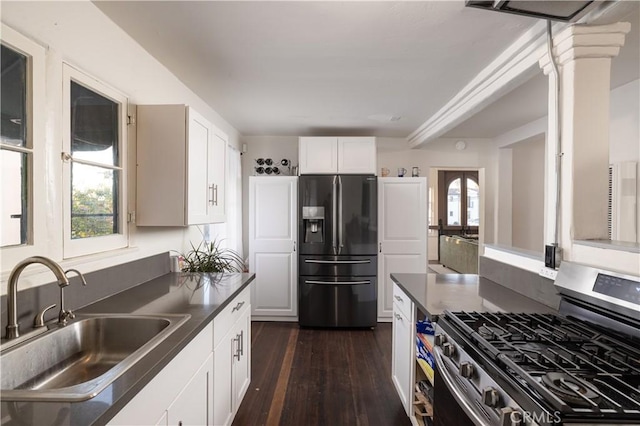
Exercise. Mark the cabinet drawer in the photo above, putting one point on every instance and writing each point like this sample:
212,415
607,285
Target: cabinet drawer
223,322
402,301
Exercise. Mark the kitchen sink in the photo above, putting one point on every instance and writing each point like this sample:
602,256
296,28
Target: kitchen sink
77,361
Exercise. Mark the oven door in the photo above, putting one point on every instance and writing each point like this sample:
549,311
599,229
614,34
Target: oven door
451,404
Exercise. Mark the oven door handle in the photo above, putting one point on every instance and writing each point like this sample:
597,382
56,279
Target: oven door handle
449,381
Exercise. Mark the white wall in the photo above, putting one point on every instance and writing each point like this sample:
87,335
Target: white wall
528,195
80,34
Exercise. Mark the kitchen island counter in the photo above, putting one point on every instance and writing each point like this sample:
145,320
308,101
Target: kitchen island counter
435,293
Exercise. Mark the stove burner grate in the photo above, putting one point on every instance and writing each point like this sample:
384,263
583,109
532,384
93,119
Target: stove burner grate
572,389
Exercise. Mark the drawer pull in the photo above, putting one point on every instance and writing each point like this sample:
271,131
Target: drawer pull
398,298
238,306
398,317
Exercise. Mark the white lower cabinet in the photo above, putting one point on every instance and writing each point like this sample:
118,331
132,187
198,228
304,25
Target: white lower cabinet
193,406
205,383
152,404
231,358
403,350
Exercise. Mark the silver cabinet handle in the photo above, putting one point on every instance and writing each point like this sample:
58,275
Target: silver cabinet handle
398,317
211,196
238,306
294,246
241,343
337,282
236,355
215,194
380,247
398,298
338,262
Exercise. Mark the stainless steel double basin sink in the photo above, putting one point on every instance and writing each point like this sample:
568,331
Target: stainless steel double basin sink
77,361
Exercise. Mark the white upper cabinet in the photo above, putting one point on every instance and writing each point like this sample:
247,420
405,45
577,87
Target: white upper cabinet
331,155
180,173
357,155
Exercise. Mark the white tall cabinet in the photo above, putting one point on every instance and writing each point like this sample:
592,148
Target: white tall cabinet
402,234
180,167
273,222
333,155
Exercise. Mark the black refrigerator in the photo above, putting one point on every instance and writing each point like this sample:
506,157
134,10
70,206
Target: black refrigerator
338,239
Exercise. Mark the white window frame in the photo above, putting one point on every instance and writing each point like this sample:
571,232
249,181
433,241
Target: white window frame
37,241
91,245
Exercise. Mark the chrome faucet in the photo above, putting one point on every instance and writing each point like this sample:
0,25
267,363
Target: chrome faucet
13,330
64,314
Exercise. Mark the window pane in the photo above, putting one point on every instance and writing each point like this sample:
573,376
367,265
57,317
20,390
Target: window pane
13,210
94,201
13,97
94,126
453,203
473,203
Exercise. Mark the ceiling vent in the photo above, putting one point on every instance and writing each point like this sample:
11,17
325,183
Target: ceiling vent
565,11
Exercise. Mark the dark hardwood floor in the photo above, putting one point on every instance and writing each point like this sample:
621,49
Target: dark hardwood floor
320,377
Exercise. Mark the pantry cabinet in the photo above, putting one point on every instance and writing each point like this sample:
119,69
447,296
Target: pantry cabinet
402,234
180,167
337,155
272,246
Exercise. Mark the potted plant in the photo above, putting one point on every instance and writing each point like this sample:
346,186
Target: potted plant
210,257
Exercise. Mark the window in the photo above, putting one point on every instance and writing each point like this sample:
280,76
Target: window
22,200
16,153
459,201
94,139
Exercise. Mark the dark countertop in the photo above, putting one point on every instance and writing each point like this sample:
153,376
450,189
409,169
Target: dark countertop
435,293
200,295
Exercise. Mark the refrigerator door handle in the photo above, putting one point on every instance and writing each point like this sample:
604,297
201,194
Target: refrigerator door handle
340,225
334,221
340,262
336,282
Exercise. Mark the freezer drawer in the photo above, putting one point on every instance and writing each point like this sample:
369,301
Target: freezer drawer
334,266
337,302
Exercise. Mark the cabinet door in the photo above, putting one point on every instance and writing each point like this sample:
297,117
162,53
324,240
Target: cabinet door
193,406
199,187
272,245
242,361
223,383
402,233
357,155
217,176
318,155
402,359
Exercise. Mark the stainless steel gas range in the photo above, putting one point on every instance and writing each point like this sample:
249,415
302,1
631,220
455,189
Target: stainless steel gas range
581,367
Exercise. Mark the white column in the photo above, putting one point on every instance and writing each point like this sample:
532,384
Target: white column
583,54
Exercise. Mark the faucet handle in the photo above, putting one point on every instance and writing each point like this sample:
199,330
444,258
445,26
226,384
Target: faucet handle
38,321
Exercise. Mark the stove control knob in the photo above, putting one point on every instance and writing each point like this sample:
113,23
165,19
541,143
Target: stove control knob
490,396
448,349
439,339
466,370
509,416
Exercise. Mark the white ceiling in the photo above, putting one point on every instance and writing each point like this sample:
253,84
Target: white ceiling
302,68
